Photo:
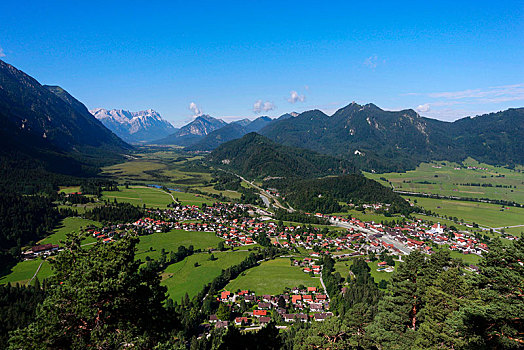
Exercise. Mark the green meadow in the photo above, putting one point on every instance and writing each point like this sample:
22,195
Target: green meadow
140,195
151,245
23,272
183,277
450,179
484,214
271,277
166,167
70,224
154,197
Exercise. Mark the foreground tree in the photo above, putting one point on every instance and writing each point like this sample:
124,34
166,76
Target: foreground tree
495,319
98,298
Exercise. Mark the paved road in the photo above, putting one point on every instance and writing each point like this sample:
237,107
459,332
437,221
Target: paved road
323,285
267,195
400,246
265,200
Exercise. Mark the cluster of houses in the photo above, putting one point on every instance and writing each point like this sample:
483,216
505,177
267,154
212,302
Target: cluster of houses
297,305
42,250
410,236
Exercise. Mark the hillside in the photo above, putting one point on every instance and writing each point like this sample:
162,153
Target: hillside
256,156
398,140
139,126
45,129
192,132
325,194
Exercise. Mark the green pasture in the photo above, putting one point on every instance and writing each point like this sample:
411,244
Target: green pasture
140,195
447,178
380,275
23,272
271,277
68,189
151,245
183,277
192,198
484,214
70,224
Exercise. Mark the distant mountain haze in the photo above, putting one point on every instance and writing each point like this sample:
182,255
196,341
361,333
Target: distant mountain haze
229,132
192,132
142,126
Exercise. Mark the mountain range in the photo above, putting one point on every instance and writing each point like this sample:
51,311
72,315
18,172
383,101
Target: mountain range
229,132
136,127
44,128
192,132
379,140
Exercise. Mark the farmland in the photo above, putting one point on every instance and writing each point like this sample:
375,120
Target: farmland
151,245
70,224
166,167
484,214
139,195
24,271
184,277
451,179
271,277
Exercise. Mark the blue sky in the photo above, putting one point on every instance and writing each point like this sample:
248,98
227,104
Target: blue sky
447,59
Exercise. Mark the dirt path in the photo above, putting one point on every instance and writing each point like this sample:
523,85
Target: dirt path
36,273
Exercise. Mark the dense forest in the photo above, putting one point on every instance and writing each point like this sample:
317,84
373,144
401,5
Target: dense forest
323,195
115,213
25,220
256,156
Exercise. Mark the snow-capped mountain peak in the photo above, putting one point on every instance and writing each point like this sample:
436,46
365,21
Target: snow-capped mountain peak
138,126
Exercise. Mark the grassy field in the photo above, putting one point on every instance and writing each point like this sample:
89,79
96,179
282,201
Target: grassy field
164,167
171,240
23,271
447,178
192,199
226,193
71,224
489,215
271,277
342,267
466,258
69,189
154,197
140,195
379,275
183,277
369,216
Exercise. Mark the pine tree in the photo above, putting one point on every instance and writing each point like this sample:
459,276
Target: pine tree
98,298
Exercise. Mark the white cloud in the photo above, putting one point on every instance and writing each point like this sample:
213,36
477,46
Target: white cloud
492,94
194,108
261,106
295,97
371,61
423,108
467,102
2,54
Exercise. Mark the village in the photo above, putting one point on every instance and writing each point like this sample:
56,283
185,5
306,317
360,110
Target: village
239,225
